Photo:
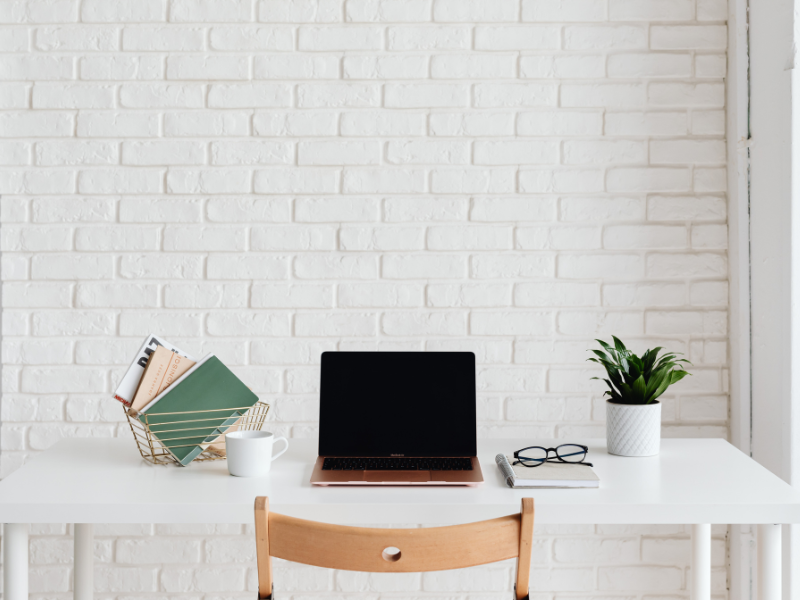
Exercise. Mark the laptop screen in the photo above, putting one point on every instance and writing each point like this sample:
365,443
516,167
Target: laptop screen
397,404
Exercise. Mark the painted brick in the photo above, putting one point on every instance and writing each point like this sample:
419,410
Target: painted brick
300,11
207,67
470,181
249,266
437,95
208,181
295,124
471,124
251,153
296,66
689,37
193,11
251,38
204,238
155,266
646,123
513,209
332,266
340,38
114,11
428,38
571,10
388,10
249,95
610,37
475,10
36,124
566,123
183,39
36,68
421,210
383,181
381,238
516,153
516,38
384,67
299,181
338,153
385,122
338,95
117,124
588,66
119,67
80,38
514,94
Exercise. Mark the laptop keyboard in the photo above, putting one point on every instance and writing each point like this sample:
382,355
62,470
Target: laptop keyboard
397,464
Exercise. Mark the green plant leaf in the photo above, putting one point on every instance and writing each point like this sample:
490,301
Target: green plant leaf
649,359
652,385
635,368
618,344
660,389
639,387
627,394
676,376
601,355
603,344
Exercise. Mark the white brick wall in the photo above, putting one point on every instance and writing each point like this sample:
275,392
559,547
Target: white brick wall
270,179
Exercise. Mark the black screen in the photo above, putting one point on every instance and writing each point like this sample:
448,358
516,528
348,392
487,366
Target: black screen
397,403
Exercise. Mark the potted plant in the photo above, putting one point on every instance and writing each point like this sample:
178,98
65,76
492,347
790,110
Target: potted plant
633,412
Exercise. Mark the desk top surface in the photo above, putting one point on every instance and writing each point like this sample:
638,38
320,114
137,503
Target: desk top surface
106,481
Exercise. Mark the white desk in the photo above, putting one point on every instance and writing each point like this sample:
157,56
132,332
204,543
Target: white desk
698,482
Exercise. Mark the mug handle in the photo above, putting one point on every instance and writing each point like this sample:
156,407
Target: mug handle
285,448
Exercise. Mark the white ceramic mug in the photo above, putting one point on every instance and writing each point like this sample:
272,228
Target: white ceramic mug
249,453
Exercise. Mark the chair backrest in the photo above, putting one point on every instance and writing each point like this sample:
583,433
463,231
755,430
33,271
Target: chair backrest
370,549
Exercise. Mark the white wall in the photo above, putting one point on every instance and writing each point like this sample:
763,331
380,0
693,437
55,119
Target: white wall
271,179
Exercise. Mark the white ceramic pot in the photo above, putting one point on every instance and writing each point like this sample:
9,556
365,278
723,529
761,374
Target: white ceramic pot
633,429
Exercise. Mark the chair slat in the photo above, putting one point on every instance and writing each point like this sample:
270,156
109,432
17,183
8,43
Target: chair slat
427,549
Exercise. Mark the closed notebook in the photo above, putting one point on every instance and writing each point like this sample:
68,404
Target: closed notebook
547,475
208,386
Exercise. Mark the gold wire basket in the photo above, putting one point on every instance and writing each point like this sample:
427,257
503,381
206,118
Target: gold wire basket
152,447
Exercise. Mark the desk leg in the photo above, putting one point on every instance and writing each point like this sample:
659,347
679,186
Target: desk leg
701,562
84,561
15,569
769,562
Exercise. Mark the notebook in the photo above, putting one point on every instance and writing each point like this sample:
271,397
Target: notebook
547,475
207,386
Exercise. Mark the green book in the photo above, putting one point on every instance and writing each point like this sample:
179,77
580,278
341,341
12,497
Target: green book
198,408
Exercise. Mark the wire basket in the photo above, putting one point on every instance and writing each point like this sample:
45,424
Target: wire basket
153,450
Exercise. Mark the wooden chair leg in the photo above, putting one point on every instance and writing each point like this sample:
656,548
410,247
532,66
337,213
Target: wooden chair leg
524,558
262,548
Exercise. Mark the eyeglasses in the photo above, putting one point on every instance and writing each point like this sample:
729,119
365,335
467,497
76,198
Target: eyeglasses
534,456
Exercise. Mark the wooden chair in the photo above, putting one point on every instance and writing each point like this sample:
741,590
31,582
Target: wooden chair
392,550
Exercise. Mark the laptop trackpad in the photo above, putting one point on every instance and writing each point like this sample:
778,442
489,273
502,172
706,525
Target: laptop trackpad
397,476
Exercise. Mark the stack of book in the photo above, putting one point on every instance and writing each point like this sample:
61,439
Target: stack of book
187,404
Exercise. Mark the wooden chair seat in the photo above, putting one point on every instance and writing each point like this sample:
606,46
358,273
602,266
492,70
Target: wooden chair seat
377,550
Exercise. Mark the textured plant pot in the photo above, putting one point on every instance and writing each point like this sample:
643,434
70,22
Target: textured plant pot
633,429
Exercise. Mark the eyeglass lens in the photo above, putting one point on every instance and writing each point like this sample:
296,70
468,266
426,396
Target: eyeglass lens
535,455
571,453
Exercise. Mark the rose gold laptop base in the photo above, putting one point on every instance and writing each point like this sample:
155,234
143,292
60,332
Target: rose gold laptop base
327,477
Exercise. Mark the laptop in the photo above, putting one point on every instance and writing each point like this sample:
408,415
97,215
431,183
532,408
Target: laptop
397,418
